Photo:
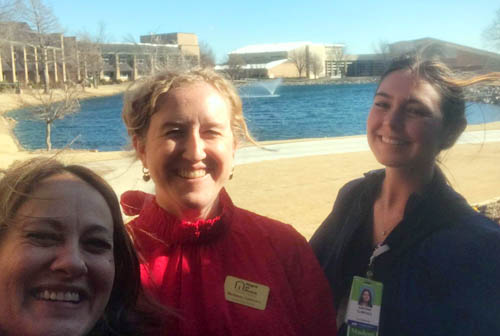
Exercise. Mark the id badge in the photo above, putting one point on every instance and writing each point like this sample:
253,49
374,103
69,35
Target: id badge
363,308
247,293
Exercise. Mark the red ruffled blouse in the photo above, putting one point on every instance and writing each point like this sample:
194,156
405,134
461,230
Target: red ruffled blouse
185,265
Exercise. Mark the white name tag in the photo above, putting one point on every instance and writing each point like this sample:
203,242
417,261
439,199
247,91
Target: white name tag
246,293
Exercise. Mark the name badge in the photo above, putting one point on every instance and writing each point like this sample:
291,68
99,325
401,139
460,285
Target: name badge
246,293
363,308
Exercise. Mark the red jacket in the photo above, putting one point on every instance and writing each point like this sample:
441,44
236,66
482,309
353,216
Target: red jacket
186,264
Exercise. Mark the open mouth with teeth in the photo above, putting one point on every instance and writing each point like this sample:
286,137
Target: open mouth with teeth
393,141
60,296
191,174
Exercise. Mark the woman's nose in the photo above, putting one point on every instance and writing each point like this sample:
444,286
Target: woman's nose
70,260
194,148
394,118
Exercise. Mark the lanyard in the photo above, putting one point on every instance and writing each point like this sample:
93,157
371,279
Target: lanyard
380,249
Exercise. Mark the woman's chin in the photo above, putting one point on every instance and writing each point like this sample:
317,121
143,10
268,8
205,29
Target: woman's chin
55,328
199,205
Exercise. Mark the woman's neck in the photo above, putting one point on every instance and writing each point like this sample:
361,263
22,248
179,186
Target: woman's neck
400,183
389,207
192,214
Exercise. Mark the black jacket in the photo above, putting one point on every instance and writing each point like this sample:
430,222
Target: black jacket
442,273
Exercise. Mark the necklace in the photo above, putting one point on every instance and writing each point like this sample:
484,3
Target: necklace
384,218
386,231
381,236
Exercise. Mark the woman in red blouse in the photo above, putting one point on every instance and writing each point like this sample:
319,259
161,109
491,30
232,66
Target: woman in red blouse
226,271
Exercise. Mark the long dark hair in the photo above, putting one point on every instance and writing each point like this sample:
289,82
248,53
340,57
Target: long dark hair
450,89
361,300
129,311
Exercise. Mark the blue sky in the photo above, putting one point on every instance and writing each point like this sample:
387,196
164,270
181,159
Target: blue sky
231,24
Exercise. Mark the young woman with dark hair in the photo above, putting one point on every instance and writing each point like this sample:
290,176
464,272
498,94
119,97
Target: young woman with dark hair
436,257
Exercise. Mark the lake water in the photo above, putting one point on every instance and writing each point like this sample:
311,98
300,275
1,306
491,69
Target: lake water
294,112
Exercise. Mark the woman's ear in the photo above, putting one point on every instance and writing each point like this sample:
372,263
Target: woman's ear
235,146
451,135
140,149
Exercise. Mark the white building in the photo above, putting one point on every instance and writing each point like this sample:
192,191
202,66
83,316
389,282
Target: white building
291,59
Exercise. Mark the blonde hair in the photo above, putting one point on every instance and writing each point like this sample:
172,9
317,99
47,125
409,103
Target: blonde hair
142,99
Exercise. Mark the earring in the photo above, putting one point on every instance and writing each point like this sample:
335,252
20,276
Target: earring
145,174
232,173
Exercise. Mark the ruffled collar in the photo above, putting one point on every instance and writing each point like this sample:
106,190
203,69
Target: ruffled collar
155,225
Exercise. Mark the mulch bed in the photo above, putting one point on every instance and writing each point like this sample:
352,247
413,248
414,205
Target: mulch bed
490,209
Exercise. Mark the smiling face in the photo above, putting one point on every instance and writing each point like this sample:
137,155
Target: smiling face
404,127
366,296
57,260
189,150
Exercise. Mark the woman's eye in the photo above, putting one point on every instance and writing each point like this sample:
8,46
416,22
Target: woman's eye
44,238
173,132
98,245
416,112
381,104
213,132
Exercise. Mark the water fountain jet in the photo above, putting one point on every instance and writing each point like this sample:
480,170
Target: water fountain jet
261,89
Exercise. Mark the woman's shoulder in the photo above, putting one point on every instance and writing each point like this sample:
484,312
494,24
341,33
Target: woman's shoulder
369,178
355,196
471,239
460,265
473,228
355,188
246,220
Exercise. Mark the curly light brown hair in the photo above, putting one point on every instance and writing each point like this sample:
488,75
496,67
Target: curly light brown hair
142,100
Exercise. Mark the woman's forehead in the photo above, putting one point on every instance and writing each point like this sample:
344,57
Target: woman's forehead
66,187
410,86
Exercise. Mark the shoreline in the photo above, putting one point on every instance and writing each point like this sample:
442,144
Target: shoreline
13,101
308,182
9,143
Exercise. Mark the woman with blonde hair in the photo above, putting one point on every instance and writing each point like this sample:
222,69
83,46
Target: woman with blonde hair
226,270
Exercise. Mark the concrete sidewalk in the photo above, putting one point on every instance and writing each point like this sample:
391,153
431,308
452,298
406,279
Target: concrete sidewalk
337,146
126,174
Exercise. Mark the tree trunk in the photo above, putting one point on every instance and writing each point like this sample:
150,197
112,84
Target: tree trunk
96,80
46,77
47,137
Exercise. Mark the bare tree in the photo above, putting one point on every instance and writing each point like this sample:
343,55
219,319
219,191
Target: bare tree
316,65
54,105
207,56
491,34
8,10
129,38
7,27
159,55
383,48
159,61
90,59
43,22
299,59
235,65
338,55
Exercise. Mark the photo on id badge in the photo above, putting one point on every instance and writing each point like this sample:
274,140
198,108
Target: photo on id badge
365,298
363,310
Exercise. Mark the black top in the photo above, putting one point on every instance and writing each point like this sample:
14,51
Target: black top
441,272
